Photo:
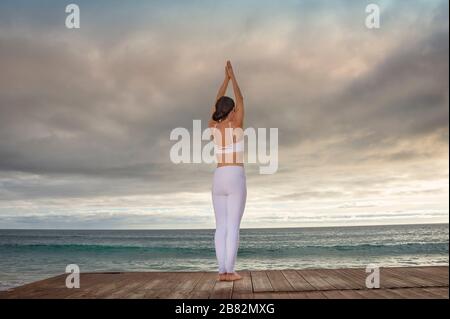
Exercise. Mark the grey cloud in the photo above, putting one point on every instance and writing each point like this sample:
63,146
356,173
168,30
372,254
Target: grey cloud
89,113
309,195
85,123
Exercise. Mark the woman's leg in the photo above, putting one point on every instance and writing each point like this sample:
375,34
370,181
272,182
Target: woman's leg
235,210
220,211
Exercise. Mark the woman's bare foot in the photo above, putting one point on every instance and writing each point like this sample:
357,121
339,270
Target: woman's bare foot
233,276
222,277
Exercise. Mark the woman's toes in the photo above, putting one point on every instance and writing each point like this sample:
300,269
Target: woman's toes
233,276
222,277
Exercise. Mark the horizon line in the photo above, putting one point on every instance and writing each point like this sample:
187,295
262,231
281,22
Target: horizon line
248,228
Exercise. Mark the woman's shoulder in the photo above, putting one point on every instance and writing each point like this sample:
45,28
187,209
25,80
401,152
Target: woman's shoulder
212,123
228,123
234,124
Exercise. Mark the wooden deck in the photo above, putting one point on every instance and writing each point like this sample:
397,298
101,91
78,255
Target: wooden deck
411,282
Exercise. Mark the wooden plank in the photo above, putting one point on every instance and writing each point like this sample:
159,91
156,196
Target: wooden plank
297,281
399,282
272,295
306,295
204,286
222,290
158,282
334,278
163,287
388,280
433,276
56,289
407,293
125,290
334,294
441,280
198,295
242,295
187,283
398,293
157,294
441,271
56,281
102,288
439,293
178,294
351,294
245,284
417,279
37,287
260,281
386,293
406,275
297,295
207,282
371,294
315,280
315,295
133,285
423,293
355,277
278,281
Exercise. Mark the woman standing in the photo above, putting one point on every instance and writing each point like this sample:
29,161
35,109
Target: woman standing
229,190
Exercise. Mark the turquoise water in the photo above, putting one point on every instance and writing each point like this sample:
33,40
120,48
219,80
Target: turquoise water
29,255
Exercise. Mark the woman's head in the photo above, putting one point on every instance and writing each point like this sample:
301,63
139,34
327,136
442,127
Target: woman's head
224,106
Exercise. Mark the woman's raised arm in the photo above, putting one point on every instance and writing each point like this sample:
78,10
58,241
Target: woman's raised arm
220,93
239,108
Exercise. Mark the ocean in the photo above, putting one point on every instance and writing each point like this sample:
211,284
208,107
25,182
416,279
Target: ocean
30,255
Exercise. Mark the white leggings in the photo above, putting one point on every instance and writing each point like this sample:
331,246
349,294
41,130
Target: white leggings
229,193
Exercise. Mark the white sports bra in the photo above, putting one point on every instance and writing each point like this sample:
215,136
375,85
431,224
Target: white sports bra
237,147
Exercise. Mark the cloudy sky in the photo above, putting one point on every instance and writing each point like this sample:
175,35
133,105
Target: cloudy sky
86,114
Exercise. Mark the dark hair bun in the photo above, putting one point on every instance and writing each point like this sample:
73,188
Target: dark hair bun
217,116
224,106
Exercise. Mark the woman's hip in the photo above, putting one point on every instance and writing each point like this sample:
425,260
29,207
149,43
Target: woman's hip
229,179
